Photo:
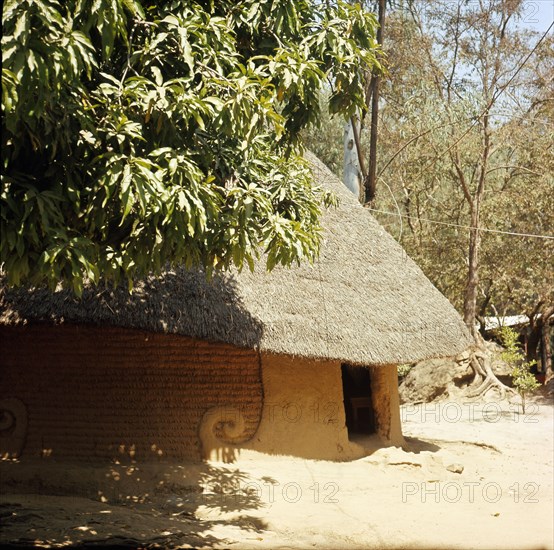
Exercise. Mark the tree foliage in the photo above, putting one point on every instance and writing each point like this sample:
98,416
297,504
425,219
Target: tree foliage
137,134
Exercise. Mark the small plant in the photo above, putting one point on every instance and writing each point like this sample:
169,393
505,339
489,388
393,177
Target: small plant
403,370
522,378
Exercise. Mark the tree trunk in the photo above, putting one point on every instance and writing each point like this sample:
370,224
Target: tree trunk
546,354
351,158
370,182
539,335
484,379
470,298
533,340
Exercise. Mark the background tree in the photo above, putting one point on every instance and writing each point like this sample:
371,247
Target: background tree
517,272
136,134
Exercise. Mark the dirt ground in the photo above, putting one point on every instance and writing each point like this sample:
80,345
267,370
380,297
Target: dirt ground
471,476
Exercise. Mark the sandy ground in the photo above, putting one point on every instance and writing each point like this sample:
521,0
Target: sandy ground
395,498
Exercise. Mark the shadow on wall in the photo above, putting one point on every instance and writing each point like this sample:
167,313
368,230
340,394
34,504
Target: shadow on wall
80,392
221,433
176,302
304,414
84,374
13,427
127,505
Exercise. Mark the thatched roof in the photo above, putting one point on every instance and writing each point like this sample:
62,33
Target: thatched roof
364,301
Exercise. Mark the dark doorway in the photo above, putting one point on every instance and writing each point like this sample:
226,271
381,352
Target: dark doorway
358,407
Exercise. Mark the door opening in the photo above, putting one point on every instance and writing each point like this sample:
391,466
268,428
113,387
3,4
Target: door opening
358,405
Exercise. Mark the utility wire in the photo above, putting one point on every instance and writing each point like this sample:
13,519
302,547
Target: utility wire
512,233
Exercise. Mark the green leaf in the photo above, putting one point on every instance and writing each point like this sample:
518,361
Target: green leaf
136,137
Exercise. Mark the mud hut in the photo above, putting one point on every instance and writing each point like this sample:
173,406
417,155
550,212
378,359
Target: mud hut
299,361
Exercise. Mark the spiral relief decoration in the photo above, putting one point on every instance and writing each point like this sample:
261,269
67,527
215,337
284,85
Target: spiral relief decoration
13,427
221,429
7,420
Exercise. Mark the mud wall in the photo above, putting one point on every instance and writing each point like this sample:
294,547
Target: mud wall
303,412
386,404
100,393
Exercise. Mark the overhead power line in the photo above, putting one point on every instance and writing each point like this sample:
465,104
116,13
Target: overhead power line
512,233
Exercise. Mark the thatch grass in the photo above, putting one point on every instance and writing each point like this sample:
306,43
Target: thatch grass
364,301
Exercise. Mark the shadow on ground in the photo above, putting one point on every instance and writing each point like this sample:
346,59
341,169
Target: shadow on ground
416,446
126,505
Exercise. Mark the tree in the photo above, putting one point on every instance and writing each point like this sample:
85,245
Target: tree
431,121
137,135
480,59
517,272
370,179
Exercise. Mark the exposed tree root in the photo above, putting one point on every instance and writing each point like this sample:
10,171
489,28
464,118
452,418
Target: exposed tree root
484,378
